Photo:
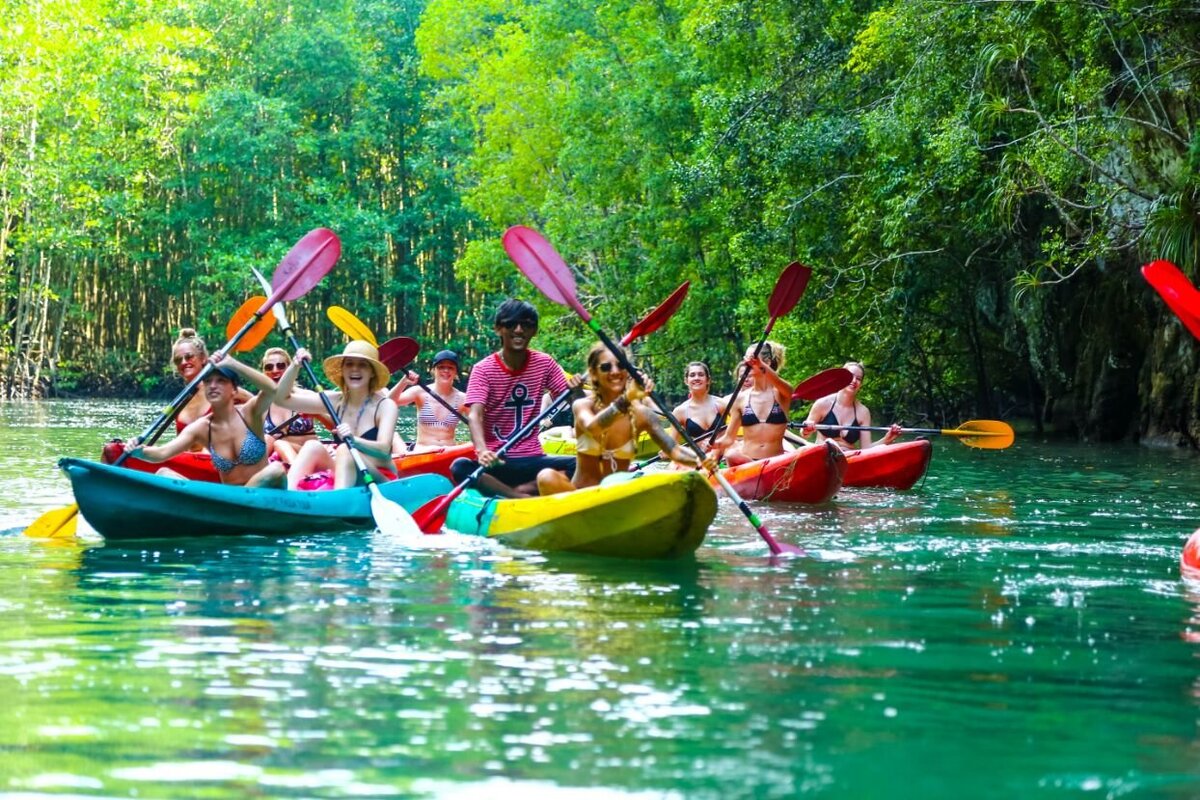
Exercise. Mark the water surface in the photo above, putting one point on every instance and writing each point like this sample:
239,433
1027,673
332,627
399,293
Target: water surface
1013,627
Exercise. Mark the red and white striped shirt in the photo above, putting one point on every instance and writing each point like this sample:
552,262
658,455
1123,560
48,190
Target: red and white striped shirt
510,399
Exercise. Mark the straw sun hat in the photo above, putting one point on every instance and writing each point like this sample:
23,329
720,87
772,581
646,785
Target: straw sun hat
357,349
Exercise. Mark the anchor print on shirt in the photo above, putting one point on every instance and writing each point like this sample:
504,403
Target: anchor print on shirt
518,399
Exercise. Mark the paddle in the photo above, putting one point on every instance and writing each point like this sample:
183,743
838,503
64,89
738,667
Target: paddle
309,260
985,434
1177,291
432,515
350,325
390,517
257,332
538,261
355,328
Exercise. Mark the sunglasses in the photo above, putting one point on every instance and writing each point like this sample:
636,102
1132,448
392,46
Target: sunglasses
510,324
608,366
275,365
186,357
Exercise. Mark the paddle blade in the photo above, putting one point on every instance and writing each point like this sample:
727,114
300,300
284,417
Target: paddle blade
432,516
823,383
256,334
398,352
351,325
306,263
391,518
789,289
987,434
57,523
659,316
277,309
1174,287
540,262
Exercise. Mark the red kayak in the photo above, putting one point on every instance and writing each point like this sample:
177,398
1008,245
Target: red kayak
808,475
198,466
891,466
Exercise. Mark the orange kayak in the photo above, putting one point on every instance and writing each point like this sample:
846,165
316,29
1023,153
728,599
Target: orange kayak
892,466
808,475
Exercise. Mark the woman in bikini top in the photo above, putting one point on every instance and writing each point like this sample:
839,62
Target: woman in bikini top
233,435
437,425
846,410
764,403
367,415
700,414
607,422
189,354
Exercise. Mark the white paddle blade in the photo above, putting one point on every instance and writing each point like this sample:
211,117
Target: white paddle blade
392,519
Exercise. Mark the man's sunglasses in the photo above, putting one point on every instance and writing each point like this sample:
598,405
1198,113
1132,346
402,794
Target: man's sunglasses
509,324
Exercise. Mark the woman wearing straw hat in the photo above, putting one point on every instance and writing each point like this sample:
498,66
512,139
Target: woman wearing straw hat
436,421
367,415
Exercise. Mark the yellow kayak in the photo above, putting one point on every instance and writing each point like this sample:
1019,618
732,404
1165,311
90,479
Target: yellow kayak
561,442
658,515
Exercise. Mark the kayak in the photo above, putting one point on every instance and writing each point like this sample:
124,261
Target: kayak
128,504
807,475
656,515
198,466
561,442
892,466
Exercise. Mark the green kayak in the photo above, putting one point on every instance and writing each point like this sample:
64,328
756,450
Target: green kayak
126,504
659,515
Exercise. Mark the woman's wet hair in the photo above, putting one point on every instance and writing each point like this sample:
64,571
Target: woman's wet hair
596,352
189,336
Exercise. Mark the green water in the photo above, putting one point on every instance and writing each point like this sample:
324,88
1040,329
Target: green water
1015,627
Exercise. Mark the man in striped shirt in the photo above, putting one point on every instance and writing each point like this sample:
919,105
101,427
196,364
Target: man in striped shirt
504,393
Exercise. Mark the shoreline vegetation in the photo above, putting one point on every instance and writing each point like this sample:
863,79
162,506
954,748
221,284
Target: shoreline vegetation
974,185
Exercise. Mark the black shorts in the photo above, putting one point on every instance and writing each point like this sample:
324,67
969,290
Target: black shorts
514,471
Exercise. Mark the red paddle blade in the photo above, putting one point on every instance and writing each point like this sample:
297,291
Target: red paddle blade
255,335
789,289
398,352
432,516
823,383
659,316
540,262
1178,292
306,263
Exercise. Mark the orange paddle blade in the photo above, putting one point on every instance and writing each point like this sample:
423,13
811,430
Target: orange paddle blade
255,335
987,434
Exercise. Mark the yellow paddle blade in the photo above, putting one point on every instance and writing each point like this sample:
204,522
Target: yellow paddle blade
255,335
350,325
57,523
988,434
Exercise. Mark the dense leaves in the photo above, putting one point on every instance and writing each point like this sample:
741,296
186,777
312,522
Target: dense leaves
974,183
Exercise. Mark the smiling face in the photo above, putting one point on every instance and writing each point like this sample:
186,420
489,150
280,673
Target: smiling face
515,334
607,374
856,378
357,373
187,359
697,378
445,371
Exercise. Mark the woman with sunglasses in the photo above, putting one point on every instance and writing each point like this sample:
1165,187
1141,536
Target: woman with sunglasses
608,420
760,410
290,429
844,408
189,353
437,424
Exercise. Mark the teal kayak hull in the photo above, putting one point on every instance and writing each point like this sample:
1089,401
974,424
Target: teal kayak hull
126,504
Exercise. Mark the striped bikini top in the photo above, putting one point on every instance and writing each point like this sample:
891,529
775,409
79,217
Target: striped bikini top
428,413
253,449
